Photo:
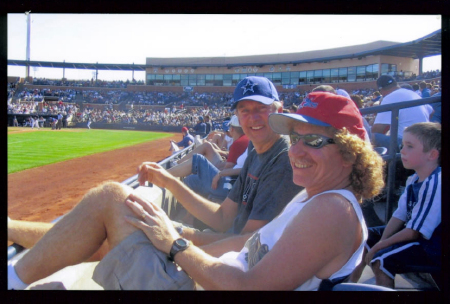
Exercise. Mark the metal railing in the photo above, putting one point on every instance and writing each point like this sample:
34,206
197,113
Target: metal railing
392,155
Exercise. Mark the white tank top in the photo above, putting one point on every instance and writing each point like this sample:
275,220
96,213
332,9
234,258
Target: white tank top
271,233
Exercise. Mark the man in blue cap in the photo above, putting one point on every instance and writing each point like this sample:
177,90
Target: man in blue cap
260,193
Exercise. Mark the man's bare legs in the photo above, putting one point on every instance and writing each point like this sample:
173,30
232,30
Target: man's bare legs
27,234
77,236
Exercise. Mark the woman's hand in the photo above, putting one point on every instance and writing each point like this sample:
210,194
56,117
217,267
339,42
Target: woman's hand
215,181
153,221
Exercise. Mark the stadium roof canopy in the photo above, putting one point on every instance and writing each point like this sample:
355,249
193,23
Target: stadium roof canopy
427,46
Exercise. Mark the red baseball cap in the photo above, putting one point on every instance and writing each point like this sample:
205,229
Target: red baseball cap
323,109
184,129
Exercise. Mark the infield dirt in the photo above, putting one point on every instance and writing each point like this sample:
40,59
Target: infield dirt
45,193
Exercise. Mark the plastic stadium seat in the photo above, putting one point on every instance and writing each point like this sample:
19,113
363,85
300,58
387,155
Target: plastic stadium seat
381,150
359,287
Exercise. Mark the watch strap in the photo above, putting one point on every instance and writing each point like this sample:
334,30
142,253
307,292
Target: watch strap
177,248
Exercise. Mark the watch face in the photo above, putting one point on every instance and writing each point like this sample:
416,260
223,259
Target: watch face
181,242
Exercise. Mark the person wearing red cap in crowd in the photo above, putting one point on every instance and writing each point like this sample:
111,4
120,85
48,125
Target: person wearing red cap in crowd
187,140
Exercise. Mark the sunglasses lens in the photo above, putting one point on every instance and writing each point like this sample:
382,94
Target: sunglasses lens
313,141
294,138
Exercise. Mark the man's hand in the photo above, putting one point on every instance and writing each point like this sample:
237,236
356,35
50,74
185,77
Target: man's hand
153,221
153,173
215,181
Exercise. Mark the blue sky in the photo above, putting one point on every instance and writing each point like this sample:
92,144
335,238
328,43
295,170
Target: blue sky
111,38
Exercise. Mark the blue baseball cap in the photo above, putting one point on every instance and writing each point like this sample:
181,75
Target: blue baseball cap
226,125
255,88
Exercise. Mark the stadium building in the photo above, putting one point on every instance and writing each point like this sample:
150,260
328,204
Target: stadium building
350,67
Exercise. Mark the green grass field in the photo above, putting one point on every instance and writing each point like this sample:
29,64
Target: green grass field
34,149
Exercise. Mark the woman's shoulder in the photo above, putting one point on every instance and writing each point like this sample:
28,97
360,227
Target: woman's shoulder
333,203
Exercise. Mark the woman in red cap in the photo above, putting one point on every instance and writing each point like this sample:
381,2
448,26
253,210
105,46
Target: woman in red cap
318,239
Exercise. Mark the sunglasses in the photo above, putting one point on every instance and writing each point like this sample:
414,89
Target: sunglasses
314,141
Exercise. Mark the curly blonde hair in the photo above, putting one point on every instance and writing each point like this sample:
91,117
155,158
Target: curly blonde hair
367,176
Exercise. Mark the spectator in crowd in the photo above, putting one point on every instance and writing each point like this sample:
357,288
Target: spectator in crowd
412,237
187,140
221,140
262,190
435,90
200,127
393,93
424,90
376,96
206,152
208,123
436,116
416,89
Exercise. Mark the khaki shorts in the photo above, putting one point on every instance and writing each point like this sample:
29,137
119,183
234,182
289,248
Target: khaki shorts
135,264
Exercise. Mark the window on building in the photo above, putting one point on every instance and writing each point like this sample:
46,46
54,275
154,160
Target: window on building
150,79
326,76
343,74
209,80
276,78
218,80
268,75
184,80
227,80
201,79
294,77
286,78
318,76
334,75
361,73
235,78
389,69
192,80
302,78
351,74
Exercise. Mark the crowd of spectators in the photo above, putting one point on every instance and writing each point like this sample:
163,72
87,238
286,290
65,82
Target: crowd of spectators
47,109
87,83
177,112
168,117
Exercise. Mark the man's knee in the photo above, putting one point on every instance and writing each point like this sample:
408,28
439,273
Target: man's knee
107,195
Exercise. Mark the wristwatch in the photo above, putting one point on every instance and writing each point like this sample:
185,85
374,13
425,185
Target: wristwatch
178,245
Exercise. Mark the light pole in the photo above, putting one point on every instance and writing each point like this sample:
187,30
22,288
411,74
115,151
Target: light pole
27,71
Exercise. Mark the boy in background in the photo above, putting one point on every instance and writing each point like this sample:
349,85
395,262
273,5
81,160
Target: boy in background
413,234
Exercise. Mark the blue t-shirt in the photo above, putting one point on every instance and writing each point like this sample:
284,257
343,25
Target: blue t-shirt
437,115
425,93
200,128
185,141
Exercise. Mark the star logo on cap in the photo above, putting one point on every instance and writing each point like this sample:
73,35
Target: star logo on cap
248,87
308,103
